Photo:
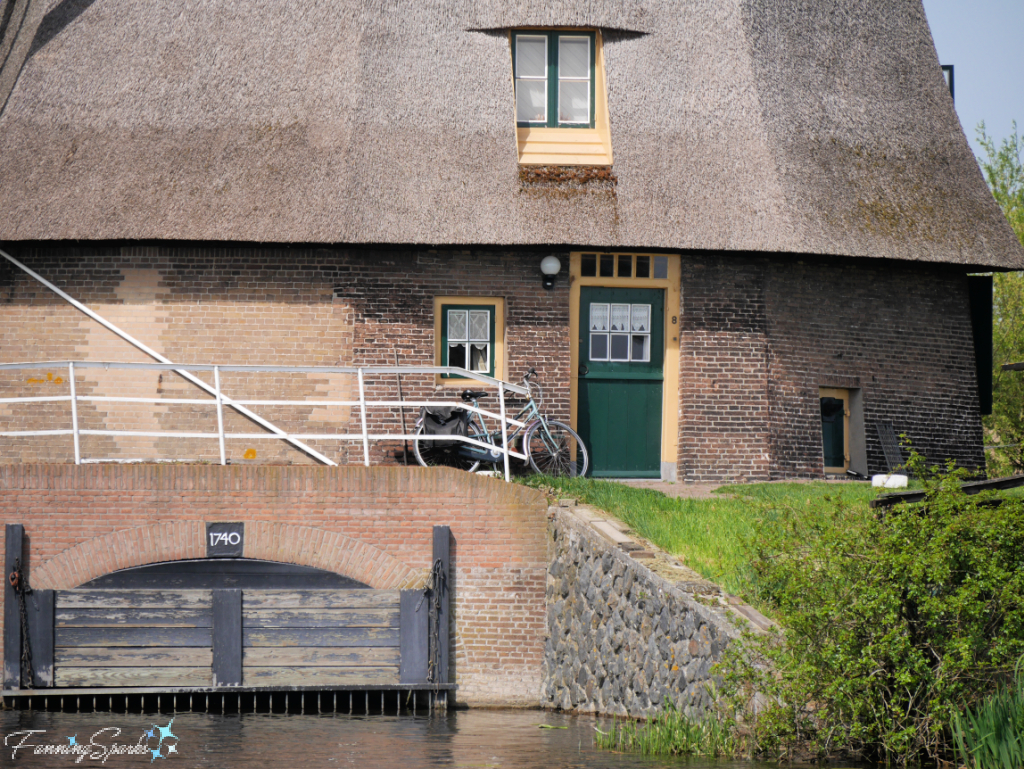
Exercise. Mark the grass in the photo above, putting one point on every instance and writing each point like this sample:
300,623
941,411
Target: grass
991,735
671,734
708,535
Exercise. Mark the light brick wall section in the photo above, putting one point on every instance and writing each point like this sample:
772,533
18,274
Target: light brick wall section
372,524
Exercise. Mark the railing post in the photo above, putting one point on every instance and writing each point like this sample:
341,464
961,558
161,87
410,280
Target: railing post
362,413
74,413
504,428
220,414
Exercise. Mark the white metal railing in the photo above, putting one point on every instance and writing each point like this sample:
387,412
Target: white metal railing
219,400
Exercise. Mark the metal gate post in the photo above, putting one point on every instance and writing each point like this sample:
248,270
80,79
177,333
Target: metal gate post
220,414
74,413
504,428
362,414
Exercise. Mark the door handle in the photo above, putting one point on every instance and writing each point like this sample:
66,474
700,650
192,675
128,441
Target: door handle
584,370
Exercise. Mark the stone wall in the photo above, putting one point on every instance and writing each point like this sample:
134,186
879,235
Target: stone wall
622,640
372,524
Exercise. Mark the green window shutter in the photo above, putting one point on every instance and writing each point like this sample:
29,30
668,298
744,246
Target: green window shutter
446,338
564,68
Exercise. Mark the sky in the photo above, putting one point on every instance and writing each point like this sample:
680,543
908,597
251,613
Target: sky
984,41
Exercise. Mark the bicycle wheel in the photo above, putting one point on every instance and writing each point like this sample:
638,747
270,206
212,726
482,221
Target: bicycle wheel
429,455
557,451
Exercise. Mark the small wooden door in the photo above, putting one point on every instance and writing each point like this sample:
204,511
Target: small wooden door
621,373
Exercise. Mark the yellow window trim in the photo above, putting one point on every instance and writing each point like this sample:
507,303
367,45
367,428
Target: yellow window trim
499,337
569,146
670,387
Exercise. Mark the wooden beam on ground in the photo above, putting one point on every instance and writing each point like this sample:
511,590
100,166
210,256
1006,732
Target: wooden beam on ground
972,487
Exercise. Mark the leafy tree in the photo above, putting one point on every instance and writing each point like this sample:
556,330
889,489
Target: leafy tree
1004,171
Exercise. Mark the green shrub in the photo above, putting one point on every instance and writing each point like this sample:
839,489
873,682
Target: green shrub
893,621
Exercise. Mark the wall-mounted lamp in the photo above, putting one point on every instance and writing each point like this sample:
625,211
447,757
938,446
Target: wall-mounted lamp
550,267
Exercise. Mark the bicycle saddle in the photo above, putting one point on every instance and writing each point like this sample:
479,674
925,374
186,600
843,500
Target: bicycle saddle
472,395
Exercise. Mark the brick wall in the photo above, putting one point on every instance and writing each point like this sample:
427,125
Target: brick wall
287,307
760,336
374,524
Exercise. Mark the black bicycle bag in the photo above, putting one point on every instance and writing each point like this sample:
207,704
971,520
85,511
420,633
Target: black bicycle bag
443,420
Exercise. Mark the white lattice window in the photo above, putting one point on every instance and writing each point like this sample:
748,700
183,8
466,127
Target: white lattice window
469,338
620,332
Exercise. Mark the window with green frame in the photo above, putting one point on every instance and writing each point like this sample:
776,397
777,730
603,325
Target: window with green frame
467,337
554,77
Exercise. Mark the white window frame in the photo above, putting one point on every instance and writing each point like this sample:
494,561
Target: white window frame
561,79
533,78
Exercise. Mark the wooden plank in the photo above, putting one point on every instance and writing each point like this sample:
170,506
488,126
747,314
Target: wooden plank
132,636
320,656
320,618
553,148
227,637
133,599
129,657
319,599
135,618
549,159
153,676
558,135
358,636
414,632
13,537
320,676
39,611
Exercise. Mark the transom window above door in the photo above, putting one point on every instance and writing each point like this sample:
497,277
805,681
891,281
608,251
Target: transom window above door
640,266
620,332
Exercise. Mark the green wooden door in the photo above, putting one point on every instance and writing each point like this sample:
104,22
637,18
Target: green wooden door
622,350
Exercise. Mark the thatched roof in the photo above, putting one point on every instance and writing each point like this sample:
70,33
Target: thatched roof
808,126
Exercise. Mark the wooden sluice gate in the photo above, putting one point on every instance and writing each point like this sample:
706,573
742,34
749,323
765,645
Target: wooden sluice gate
227,634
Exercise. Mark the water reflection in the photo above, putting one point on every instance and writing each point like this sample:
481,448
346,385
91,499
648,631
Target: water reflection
475,738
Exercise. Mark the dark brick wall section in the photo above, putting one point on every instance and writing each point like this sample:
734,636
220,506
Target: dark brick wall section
903,332
760,336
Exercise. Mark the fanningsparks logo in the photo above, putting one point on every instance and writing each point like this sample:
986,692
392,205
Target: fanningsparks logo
102,745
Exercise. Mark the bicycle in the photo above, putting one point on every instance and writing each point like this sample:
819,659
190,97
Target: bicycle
549,445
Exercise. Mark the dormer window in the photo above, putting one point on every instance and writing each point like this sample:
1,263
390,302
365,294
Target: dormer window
554,74
561,105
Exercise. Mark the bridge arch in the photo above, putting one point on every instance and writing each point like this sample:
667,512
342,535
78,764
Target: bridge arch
264,540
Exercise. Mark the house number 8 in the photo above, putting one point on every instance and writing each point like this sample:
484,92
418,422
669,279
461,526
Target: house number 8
674,320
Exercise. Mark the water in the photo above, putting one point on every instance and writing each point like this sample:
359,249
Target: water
475,739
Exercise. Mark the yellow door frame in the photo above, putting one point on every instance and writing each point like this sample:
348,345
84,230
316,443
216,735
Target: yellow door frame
843,395
671,286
